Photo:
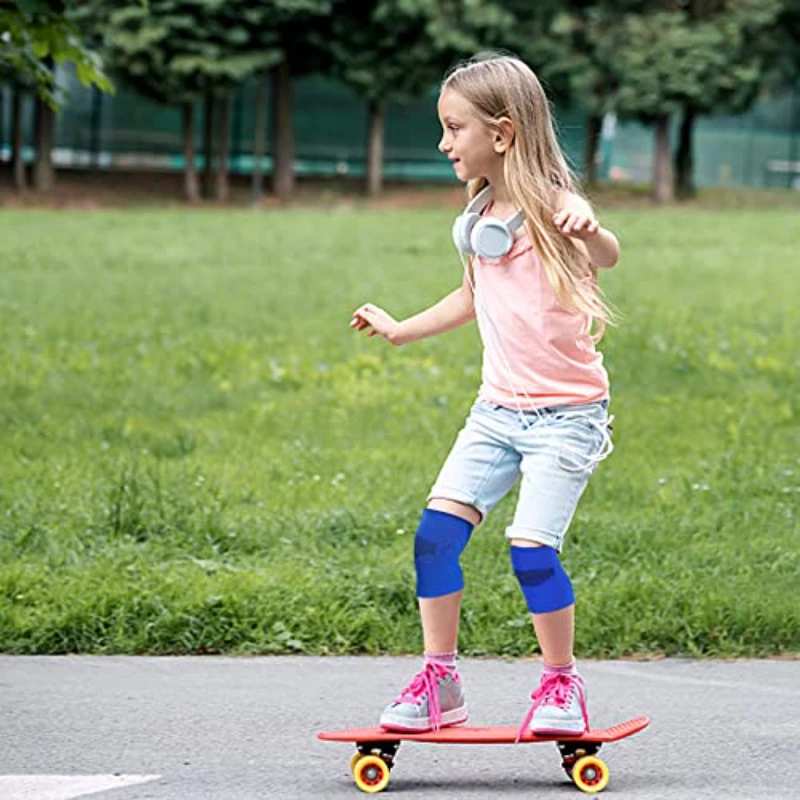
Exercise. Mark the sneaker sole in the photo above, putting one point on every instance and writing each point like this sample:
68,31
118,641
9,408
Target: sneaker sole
454,717
558,732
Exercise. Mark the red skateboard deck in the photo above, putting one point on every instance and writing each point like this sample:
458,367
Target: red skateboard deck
463,734
377,748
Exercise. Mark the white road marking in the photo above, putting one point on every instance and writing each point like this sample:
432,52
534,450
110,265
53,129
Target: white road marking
64,787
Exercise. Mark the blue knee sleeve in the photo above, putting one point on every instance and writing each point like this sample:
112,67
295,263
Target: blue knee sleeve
541,577
439,543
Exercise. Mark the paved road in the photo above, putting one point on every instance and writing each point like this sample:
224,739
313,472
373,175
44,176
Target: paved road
228,728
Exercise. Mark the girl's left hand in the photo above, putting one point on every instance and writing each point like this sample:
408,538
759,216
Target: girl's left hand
579,224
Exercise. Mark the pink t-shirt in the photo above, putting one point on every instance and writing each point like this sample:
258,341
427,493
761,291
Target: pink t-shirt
549,350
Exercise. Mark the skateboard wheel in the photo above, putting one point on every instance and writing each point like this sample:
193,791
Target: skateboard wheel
590,774
371,774
354,760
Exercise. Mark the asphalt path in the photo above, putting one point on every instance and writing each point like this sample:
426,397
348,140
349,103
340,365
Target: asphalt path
130,728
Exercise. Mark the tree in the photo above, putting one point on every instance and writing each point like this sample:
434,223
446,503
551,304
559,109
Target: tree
657,66
389,50
182,51
559,40
670,62
734,39
572,45
35,36
784,52
300,28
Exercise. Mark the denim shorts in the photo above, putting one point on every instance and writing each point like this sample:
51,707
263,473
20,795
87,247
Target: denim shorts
555,450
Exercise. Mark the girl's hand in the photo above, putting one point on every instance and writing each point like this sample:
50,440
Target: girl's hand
370,316
578,223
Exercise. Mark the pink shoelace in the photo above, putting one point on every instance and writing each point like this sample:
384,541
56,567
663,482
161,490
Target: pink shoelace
426,682
555,690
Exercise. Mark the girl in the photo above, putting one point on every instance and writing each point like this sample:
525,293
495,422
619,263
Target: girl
534,248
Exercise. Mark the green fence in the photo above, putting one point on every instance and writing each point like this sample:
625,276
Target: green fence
761,148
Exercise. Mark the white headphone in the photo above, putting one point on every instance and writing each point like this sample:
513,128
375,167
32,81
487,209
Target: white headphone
487,237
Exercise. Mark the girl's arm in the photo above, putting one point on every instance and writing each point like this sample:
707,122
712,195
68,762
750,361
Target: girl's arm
575,218
453,310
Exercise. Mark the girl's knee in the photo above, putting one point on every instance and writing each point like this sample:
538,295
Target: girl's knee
457,509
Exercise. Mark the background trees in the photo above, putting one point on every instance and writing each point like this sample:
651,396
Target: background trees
665,64
36,35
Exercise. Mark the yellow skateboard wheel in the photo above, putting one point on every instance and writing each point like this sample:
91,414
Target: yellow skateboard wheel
357,756
371,774
590,774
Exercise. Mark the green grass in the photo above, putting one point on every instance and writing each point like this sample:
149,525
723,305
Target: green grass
197,454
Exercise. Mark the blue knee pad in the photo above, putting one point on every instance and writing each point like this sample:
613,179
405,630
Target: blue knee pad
438,545
541,577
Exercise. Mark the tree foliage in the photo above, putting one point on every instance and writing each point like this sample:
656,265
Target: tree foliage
704,55
398,49
176,50
35,35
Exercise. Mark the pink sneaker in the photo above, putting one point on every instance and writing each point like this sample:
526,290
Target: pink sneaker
434,699
559,707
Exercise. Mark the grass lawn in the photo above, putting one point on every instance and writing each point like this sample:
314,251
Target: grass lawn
197,454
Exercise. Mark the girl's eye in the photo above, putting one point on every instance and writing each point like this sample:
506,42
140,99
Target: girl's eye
452,127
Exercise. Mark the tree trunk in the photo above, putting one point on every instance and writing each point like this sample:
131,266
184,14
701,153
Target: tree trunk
224,149
237,116
257,189
790,177
17,139
684,182
282,134
375,133
43,173
593,128
662,162
3,118
209,107
191,188
95,127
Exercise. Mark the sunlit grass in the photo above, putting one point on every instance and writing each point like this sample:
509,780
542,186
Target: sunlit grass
198,454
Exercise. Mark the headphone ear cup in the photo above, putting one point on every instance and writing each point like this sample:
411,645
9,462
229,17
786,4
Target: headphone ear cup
490,238
462,228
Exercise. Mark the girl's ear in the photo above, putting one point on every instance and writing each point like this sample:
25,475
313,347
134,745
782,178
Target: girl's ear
503,135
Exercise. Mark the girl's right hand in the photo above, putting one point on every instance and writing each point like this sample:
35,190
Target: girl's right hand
375,318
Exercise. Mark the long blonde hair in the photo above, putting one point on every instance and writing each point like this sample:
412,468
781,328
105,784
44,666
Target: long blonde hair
534,169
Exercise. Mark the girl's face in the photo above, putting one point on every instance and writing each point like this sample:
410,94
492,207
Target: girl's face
467,141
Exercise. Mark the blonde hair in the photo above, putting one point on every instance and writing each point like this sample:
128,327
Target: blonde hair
535,171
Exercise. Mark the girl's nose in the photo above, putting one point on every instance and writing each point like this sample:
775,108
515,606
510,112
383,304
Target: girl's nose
443,146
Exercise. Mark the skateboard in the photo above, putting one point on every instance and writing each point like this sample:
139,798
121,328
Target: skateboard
377,749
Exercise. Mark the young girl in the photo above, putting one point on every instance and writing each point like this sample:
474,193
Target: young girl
534,248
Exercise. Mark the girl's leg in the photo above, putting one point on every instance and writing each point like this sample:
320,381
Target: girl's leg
555,630
558,458
560,701
435,696
440,615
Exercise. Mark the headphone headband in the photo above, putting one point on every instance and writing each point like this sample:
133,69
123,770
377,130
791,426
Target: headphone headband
483,198
480,201
485,236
